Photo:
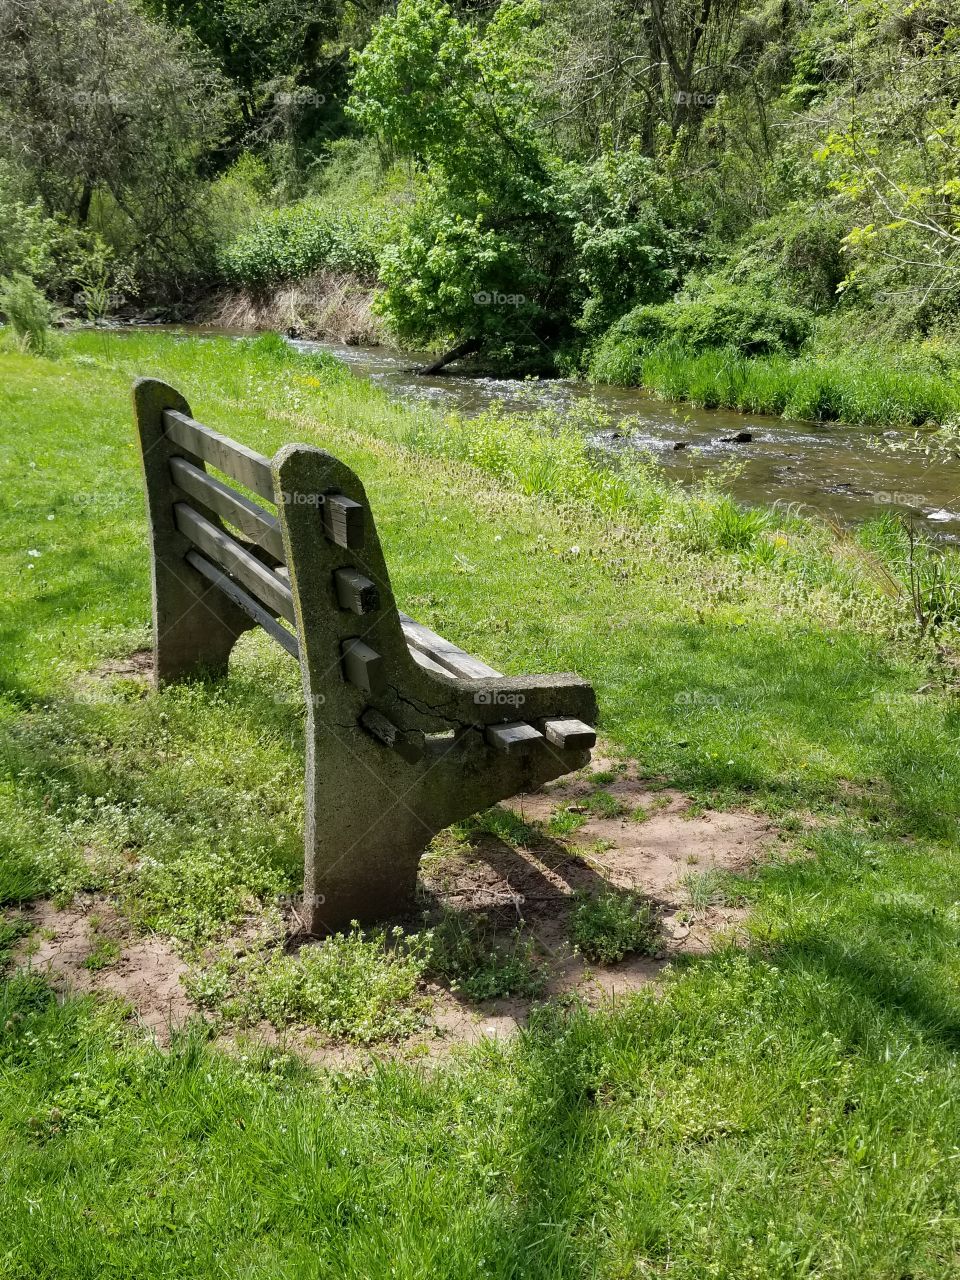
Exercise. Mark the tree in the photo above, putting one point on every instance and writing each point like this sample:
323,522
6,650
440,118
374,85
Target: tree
254,41
111,116
486,257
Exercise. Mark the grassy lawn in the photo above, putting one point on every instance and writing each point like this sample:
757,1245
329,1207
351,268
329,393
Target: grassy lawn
788,1107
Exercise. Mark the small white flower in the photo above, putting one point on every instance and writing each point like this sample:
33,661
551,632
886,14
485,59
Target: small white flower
33,554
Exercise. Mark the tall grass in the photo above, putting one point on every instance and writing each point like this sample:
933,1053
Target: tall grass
871,387
27,311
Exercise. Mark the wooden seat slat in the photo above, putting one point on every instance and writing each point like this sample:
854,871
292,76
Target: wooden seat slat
455,661
286,639
433,651
569,734
513,736
258,525
244,465
428,664
237,561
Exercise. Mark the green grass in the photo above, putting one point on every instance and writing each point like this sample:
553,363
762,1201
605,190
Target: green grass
875,388
468,952
786,1108
354,987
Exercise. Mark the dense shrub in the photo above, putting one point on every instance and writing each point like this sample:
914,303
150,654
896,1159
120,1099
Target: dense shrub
631,235
293,242
796,255
27,311
740,319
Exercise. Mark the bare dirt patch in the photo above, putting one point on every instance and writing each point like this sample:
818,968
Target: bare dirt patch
88,948
656,846
134,666
634,836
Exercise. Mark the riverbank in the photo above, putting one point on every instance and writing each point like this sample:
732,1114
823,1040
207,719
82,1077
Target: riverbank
786,1101
326,304
871,387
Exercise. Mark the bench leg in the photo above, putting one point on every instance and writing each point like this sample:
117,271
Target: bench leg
363,838
195,626
370,816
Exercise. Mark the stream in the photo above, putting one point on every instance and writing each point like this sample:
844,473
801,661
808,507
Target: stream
847,473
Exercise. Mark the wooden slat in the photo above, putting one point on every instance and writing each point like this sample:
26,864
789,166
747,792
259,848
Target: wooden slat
355,592
343,521
434,653
246,602
512,737
237,561
235,460
363,666
428,664
569,735
442,652
255,523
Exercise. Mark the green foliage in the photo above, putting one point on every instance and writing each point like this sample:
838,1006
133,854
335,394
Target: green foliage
738,319
870,387
604,803
31,243
797,255
735,528
628,233
299,239
353,986
608,926
485,254
110,117
259,44
11,931
469,952
27,311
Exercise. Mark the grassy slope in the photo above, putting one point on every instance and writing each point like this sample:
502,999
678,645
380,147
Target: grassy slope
786,1110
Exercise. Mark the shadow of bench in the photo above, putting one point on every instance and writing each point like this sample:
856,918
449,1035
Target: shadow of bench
405,733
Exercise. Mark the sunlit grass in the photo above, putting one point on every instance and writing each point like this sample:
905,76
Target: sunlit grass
873,388
784,1107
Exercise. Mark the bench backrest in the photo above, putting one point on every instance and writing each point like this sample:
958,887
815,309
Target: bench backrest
303,562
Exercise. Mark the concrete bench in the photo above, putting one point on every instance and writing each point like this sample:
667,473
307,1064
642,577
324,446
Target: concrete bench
405,733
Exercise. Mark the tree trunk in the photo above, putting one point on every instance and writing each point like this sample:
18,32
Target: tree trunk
465,348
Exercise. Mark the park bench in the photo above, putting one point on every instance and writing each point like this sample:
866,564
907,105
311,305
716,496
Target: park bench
405,733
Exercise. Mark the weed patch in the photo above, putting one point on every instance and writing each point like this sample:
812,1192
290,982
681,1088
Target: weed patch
610,925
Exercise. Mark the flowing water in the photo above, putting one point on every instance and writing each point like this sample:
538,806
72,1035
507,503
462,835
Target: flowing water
847,473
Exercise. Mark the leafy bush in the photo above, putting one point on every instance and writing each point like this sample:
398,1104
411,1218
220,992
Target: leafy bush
739,319
29,240
27,311
608,926
487,254
798,254
290,243
629,234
